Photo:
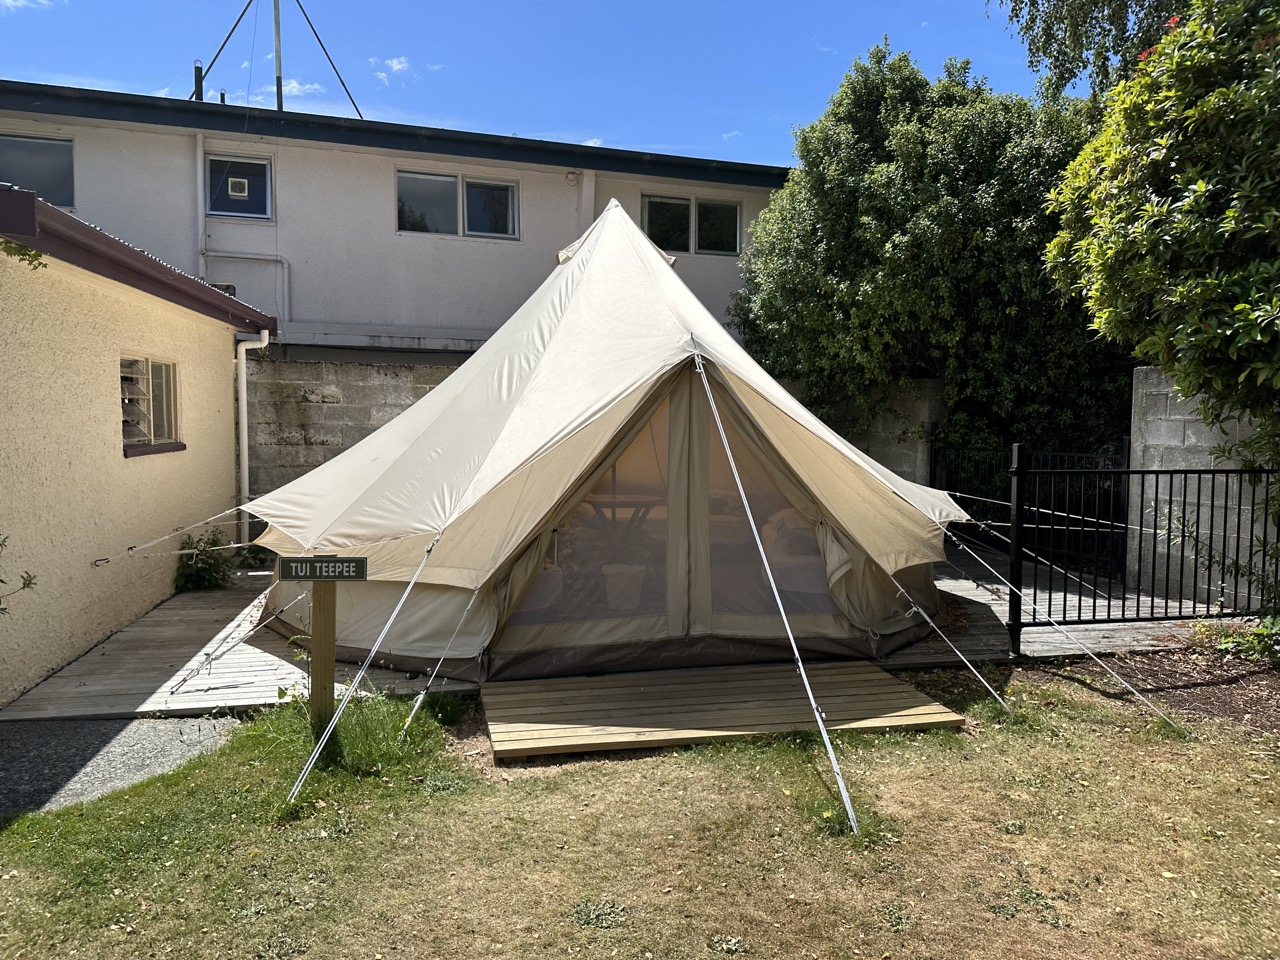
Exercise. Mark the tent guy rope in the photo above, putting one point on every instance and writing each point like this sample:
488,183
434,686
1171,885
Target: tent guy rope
355,682
795,649
102,561
1057,626
421,698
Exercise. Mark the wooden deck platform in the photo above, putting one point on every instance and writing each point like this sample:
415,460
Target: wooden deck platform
667,707
137,671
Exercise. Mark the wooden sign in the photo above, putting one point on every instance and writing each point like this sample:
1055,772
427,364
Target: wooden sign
324,572
324,568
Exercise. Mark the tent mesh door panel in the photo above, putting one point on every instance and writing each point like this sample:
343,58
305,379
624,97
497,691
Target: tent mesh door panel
608,556
738,584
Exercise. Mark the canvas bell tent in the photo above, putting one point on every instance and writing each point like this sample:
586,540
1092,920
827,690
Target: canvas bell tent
563,503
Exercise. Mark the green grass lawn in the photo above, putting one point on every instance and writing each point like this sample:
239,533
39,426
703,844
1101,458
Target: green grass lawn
1080,829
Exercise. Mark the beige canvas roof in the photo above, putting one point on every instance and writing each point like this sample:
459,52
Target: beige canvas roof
482,459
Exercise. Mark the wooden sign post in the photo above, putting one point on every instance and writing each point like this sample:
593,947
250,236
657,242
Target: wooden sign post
324,574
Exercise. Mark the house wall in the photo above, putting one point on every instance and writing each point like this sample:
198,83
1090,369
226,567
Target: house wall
302,414
330,263
69,494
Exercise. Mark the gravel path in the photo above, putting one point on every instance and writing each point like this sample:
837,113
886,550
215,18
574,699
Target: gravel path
47,764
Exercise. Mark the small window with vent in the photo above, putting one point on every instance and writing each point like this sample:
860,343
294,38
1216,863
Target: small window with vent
148,419
239,188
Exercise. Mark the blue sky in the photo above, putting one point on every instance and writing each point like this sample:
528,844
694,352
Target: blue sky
728,80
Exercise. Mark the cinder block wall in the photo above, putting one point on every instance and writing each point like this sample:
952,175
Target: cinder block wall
922,405
1181,527
304,413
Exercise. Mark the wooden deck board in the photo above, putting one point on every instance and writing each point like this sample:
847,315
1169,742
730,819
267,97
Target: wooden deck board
134,671
668,707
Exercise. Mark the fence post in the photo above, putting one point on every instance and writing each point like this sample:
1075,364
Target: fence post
1017,471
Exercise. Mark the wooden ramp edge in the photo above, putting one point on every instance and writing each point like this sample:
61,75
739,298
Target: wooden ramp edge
671,707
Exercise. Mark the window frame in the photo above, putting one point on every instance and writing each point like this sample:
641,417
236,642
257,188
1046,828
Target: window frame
267,162
514,186
460,183
645,198
693,202
153,441
36,138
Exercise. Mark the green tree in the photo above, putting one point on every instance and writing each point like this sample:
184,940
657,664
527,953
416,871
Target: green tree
1171,215
909,242
1097,40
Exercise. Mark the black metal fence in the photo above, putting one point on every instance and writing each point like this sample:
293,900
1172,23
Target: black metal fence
1118,545
1091,541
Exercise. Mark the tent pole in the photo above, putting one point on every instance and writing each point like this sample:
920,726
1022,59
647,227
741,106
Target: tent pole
795,649
351,687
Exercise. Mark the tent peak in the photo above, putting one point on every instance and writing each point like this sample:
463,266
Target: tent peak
613,210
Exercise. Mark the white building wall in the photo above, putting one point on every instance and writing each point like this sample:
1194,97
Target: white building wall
330,263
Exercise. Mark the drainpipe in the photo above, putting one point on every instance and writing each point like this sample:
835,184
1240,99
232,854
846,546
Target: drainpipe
286,312
201,266
242,408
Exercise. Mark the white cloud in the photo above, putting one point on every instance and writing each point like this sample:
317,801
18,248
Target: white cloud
292,88
162,92
821,49
731,135
924,23
296,88
244,65
594,142
8,6
382,76
433,67
398,64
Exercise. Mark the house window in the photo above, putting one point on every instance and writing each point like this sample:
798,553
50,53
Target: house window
678,224
147,410
239,188
666,222
491,209
426,203
717,227
41,165
434,203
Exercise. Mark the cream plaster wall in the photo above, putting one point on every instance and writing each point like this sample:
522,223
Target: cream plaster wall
67,493
330,263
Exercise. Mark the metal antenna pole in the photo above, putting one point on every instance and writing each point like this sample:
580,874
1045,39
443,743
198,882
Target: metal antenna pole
275,6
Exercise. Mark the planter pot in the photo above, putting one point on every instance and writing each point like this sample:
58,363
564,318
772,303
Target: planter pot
623,583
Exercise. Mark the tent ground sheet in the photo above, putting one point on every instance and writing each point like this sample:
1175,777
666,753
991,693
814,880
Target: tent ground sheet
667,707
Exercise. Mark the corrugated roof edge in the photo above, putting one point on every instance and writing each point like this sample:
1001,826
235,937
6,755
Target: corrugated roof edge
23,97
64,237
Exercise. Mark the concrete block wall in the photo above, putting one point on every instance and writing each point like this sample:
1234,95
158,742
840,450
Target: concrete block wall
1186,524
921,405
304,413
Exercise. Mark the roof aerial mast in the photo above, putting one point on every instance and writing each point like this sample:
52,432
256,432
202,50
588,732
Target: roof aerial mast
201,74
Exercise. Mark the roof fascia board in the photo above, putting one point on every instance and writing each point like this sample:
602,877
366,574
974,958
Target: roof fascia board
35,98
73,241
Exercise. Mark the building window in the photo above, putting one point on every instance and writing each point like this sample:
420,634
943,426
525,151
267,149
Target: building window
666,222
717,227
433,203
426,203
147,409
239,188
678,224
41,165
491,209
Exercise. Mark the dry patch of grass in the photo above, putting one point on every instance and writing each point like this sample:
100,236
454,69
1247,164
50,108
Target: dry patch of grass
1079,829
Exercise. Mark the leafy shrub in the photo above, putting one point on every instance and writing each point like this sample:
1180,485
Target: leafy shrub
206,567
